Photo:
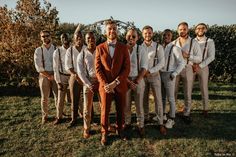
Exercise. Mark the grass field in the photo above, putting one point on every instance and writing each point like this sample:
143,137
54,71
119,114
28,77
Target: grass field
21,132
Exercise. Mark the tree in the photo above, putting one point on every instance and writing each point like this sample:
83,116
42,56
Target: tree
19,37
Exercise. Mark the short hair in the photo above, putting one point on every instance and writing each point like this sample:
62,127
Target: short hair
45,31
64,34
167,30
147,27
110,22
78,33
132,29
183,23
201,24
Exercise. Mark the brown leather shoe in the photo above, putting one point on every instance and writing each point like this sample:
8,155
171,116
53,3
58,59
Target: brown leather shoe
141,132
163,130
57,121
104,139
86,134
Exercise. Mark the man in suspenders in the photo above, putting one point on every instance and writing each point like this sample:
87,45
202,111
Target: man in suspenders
43,60
201,70
156,61
86,72
192,54
174,64
138,67
61,75
75,84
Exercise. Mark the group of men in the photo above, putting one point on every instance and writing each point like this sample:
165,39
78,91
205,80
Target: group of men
120,72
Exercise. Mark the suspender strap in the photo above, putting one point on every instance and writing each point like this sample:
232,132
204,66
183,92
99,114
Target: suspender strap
137,58
155,58
43,61
85,67
204,51
190,48
71,55
60,59
168,62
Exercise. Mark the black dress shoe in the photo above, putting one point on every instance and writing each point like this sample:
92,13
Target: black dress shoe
122,135
72,124
141,132
57,121
205,113
187,120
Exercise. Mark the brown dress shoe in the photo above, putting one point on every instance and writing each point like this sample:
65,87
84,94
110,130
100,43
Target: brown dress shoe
86,134
57,121
104,139
163,130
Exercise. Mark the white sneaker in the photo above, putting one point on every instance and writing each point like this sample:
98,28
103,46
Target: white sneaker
169,124
164,117
156,118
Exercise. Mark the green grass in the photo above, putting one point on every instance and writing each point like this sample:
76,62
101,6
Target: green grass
22,134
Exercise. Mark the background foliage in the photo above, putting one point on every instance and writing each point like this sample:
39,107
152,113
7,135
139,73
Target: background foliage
19,36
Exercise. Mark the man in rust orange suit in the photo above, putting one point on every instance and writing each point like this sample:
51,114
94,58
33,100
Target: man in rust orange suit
112,65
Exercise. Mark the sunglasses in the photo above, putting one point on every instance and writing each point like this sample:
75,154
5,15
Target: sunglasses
45,36
133,36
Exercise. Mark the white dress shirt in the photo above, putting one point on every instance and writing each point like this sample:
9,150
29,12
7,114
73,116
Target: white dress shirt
195,56
86,66
150,51
143,61
47,56
176,61
209,53
69,58
59,63
111,49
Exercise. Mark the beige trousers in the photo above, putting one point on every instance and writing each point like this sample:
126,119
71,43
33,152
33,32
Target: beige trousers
203,75
46,86
186,75
153,82
75,93
138,98
61,95
168,92
88,103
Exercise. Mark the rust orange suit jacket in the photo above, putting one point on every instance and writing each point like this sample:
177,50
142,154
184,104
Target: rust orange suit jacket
108,69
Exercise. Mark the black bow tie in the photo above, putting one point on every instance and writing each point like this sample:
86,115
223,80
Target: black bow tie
112,45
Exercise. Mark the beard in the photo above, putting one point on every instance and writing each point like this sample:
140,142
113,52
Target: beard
183,35
201,35
47,41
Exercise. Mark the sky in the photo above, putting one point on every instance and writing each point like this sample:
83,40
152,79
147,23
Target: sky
157,13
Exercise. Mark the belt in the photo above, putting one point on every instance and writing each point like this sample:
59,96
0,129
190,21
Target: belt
64,74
